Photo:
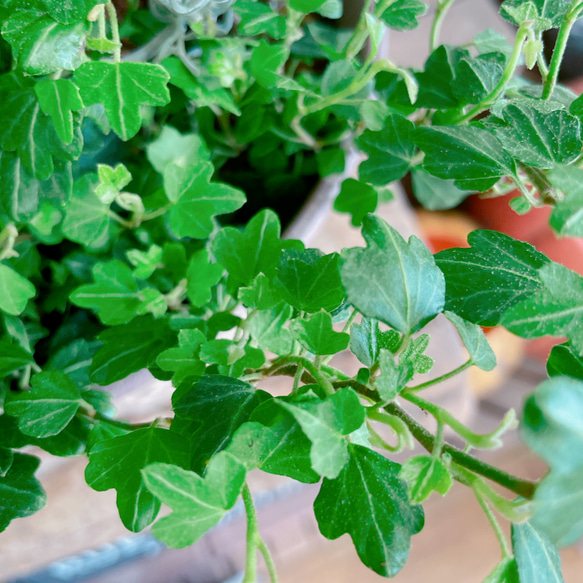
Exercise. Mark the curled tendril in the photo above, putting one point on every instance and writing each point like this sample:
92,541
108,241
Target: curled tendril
190,10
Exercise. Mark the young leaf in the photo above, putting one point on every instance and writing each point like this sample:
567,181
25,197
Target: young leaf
201,277
425,474
475,341
122,88
15,291
366,341
356,198
404,14
563,360
393,377
391,280
537,558
318,336
309,280
201,200
326,423
494,274
20,493
59,98
117,463
12,357
369,502
390,151
198,503
267,329
257,18
111,182
145,262
48,407
505,572
556,309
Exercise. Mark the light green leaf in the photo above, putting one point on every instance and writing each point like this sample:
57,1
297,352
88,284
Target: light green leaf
117,463
369,502
567,216
267,329
145,262
326,423
114,295
425,474
15,291
68,11
122,88
260,295
390,151
201,277
12,357
318,336
552,10
404,14
258,18
356,198
537,558
393,377
391,280
198,503
111,182
475,341
48,407
266,63
436,193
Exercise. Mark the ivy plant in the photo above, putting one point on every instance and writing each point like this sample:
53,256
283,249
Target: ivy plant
141,157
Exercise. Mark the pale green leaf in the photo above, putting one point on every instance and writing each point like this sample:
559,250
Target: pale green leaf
15,291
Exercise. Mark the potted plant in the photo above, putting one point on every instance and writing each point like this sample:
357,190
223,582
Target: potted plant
124,165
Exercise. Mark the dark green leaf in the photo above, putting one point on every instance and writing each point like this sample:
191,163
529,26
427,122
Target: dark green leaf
475,341
356,198
437,81
369,502
425,474
201,277
563,360
117,463
404,14
12,357
505,572
391,280
477,77
306,5
494,274
318,336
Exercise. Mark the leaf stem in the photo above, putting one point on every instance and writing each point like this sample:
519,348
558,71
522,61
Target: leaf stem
442,8
360,34
253,538
270,564
112,14
440,379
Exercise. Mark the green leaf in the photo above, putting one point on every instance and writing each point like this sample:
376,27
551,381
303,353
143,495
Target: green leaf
198,503
249,253
210,411
554,10
59,98
258,18
393,377
475,341
260,295
356,198
538,134
436,193
537,558
111,182
369,502
567,216
114,295
193,213
117,463
390,151
267,329
556,309
404,14
20,493
145,262
331,161
472,156
326,423
15,291
122,88
48,407
425,474
306,5
68,11
477,77
309,280
42,46
12,357
130,348
563,360
505,572
201,277
318,336
494,274
266,63
364,341
391,280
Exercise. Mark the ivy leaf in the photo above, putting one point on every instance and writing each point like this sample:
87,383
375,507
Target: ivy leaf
553,10
472,156
567,216
369,502
356,198
69,11
201,277
391,280
117,463
364,341
563,360
145,262
477,77
318,336
42,46
309,280
306,5
15,291
12,357
505,572
121,88
198,503
436,193
404,14
129,348
267,329
390,151
425,474
556,309
111,182
266,63
393,377
326,423
114,295
494,274
48,407
192,215
260,295
210,411
538,134
256,250
475,341
257,18
537,558
20,493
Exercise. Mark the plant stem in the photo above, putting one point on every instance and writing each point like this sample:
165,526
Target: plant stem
519,486
560,46
112,14
270,564
253,538
440,379
442,8
360,33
